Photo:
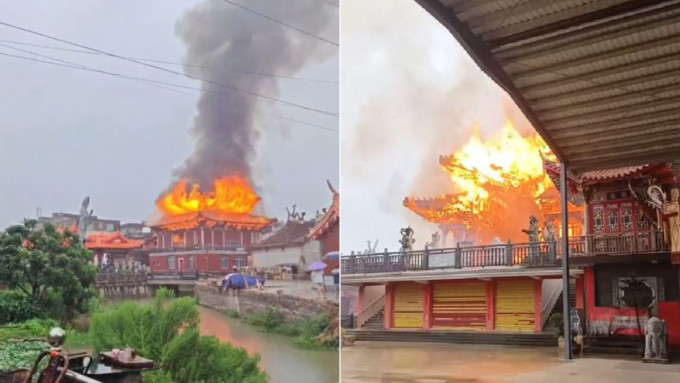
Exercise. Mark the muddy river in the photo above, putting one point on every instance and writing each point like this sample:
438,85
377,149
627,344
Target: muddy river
280,358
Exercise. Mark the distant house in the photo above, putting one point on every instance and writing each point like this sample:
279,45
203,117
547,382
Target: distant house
290,245
327,230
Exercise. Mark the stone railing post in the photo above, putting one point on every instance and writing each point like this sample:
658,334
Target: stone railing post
508,253
457,256
425,264
386,260
352,266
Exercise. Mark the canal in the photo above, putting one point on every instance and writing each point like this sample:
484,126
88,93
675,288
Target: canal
280,358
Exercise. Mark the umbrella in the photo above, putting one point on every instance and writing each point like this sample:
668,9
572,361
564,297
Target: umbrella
332,256
316,266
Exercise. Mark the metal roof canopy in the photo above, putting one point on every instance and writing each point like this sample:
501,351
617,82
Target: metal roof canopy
597,79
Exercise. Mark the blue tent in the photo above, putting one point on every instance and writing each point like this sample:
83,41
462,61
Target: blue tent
238,281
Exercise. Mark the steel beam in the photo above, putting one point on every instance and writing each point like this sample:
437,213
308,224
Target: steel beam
565,24
565,263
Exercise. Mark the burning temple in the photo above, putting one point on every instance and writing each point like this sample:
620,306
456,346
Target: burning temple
206,233
624,253
499,184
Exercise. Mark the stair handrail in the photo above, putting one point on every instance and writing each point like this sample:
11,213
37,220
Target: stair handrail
550,304
370,310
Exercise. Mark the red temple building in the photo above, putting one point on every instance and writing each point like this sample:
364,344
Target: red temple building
624,252
207,242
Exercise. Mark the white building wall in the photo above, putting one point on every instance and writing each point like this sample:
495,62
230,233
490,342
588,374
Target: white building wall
289,254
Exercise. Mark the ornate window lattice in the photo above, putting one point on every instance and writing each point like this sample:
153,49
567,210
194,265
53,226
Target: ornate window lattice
613,220
626,218
642,220
598,221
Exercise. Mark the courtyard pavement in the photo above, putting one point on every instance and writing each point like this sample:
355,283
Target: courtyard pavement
393,362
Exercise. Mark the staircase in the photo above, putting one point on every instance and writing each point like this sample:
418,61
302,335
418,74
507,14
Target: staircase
376,322
527,339
615,345
557,308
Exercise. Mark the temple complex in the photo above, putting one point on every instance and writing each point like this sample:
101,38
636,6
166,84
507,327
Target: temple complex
624,249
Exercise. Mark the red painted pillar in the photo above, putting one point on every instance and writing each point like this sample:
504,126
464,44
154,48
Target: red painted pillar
538,309
579,293
360,298
491,305
589,291
427,309
388,317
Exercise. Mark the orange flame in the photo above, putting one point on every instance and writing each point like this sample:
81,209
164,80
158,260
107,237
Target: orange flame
231,195
497,183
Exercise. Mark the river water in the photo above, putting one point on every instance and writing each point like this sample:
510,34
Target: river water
280,358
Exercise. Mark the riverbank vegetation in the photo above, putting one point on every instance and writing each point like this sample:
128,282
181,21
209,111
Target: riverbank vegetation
165,330
311,334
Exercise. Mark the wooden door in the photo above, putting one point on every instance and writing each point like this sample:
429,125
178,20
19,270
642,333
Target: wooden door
515,305
409,301
459,306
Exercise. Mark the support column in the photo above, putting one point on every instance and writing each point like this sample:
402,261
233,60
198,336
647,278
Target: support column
389,307
580,293
565,261
360,307
491,305
538,308
202,238
427,309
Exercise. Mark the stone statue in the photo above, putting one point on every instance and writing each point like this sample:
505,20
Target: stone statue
371,249
407,239
549,233
656,196
655,340
532,231
436,241
294,215
85,218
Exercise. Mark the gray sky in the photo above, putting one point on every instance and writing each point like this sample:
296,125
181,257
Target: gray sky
409,94
66,133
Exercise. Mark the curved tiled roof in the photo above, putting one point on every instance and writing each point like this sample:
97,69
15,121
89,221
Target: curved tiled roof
294,232
111,241
330,218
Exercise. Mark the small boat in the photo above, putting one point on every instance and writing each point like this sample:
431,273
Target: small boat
107,367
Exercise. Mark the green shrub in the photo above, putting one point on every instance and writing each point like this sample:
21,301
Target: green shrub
16,306
167,332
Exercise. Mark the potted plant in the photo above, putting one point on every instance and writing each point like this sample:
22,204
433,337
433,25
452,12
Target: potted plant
557,321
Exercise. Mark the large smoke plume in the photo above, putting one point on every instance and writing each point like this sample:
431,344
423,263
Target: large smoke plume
412,95
228,45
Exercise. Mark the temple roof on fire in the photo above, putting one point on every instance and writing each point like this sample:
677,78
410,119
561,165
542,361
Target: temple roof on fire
111,241
212,218
330,218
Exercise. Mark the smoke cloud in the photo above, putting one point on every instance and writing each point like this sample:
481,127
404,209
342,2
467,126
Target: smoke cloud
228,45
410,94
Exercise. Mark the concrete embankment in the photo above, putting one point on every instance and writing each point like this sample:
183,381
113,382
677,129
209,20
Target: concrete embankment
248,302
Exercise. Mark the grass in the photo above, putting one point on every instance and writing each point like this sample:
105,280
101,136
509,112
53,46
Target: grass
305,331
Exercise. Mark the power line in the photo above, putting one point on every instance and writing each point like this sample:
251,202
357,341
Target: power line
279,22
154,83
170,62
307,123
232,88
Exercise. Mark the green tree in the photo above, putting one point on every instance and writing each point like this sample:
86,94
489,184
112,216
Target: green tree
51,269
